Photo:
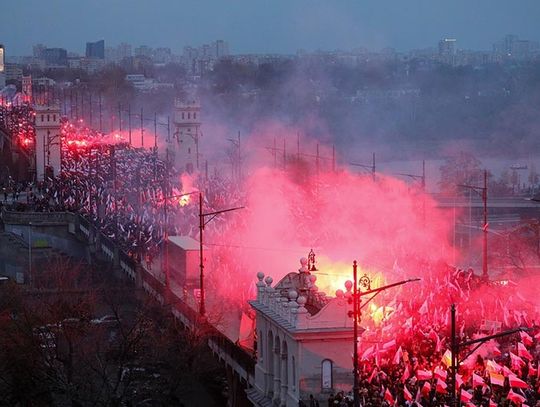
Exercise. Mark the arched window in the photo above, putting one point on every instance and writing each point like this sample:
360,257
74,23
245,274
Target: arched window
189,115
195,115
183,116
48,117
326,375
54,117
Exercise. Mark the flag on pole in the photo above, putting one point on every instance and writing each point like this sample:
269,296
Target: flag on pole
398,356
406,374
477,380
426,388
492,366
465,396
424,374
407,394
389,345
492,403
523,352
440,373
441,386
388,396
367,353
526,338
516,398
517,382
459,380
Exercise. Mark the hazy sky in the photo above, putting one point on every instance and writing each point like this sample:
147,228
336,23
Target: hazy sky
280,26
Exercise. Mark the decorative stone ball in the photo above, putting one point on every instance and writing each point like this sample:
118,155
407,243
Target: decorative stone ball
339,293
303,261
268,280
348,285
313,278
301,300
293,295
260,275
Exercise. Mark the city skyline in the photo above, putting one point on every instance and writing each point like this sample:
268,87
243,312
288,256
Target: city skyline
257,27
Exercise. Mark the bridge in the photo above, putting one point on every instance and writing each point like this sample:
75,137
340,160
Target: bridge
60,226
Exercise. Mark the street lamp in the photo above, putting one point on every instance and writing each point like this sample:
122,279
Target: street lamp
365,283
483,193
202,223
456,345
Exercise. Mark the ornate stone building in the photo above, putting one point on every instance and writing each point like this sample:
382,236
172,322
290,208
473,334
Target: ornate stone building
304,340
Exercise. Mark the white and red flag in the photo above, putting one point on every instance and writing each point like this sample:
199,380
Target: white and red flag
477,380
496,379
407,394
523,352
424,374
516,398
441,386
517,382
465,396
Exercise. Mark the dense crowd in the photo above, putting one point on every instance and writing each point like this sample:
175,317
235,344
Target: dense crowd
409,363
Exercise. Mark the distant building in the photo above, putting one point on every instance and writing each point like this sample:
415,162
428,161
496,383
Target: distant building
512,47
48,156
184,146
448,51
55,56
13,72
38,51
143,51
95,50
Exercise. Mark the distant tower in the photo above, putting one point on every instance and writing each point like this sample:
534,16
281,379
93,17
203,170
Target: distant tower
27,88
185,144
48,151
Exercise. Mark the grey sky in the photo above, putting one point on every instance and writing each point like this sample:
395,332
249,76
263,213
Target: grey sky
265,26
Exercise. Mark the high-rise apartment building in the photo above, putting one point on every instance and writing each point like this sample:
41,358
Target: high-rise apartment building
2,67
55,56
95,49
448,51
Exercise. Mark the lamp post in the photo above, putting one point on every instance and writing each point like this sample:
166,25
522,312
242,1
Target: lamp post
363,282
202,223
483,193
456,345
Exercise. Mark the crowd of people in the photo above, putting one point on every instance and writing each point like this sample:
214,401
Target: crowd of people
410,363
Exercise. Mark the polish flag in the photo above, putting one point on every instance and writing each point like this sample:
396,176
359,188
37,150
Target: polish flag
532,370
426,388
367,353
516,398
406,374
407,394
441,386
459,380
424,374
526,338
496,379
492,403
517,382
507,372
516,360
440,373
477,380
465,396
496,351
389,345
388,397
398,356
523,352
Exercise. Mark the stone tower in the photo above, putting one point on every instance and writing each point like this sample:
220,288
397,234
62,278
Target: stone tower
48,148
184,147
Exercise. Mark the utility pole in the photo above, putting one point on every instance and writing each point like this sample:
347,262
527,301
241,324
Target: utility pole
129,123
483,191
202,224
457,345
142,129
371,167
364,282
100,115
119,117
